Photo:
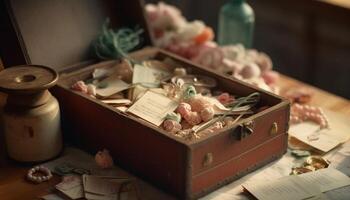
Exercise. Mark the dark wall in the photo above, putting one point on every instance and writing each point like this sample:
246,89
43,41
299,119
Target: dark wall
308,40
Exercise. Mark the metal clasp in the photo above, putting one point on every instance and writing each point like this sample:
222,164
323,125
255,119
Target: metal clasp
208,159
246,129
274,128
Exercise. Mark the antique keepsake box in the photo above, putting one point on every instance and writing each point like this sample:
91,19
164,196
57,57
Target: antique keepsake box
59,33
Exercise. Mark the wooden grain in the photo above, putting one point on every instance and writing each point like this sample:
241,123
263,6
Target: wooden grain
13,185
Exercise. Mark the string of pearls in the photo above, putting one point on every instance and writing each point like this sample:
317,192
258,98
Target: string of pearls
300,113
39,179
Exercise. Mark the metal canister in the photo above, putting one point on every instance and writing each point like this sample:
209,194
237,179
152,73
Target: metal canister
31,116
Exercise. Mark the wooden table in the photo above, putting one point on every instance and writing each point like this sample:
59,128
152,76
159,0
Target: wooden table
13,186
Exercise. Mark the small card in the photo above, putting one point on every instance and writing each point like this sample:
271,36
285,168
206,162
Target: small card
297,187
153,107
52,197
69,182
147,76
325,139
72,188
102,188
309,133
113,85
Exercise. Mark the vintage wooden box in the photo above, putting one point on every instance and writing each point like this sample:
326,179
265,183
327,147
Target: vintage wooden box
59,33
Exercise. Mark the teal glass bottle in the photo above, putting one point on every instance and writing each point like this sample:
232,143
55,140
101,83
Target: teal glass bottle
236,23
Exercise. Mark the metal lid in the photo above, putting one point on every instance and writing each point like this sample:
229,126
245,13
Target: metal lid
27,78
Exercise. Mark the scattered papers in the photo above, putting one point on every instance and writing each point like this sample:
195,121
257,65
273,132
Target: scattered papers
310,134
299,187
72,187
149,77
52,197
153,107
103,188
325,139
113,85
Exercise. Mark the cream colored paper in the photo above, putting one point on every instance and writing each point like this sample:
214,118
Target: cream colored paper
286,188
326,179
153,107
326,139
298,187
114,85
147,76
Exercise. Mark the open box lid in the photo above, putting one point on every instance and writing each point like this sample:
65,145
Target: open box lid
59,33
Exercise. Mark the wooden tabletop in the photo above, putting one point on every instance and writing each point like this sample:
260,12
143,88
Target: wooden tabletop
13,185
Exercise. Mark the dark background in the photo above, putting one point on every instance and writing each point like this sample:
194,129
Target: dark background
307,39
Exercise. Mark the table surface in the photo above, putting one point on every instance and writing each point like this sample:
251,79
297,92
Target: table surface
14,186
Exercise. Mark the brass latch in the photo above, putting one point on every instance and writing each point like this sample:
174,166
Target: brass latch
208,159
246,129
274,129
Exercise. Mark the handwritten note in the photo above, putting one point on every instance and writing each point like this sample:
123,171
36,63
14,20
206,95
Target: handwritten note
153,107
299,187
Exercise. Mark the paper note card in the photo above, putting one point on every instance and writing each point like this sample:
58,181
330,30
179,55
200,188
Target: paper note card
113,85
153,107
286,188
71,186
309,133
326,179
297,187
147,76
325,139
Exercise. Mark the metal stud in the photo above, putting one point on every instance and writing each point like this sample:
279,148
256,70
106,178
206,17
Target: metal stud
274,129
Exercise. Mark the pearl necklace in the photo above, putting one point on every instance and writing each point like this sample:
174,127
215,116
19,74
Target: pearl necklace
300,113
39,179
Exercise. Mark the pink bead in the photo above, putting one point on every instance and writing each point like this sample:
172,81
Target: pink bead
171,126
207,114
183,109
193,118
225,98
185,125
270,77
199,103
103,159
79,86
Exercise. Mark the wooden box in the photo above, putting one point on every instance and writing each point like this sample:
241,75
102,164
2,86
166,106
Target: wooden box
59,34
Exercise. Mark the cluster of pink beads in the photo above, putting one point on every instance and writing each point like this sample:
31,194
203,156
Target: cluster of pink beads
300,113
80,86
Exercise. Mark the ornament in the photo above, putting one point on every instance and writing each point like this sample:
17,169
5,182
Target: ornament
103,159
